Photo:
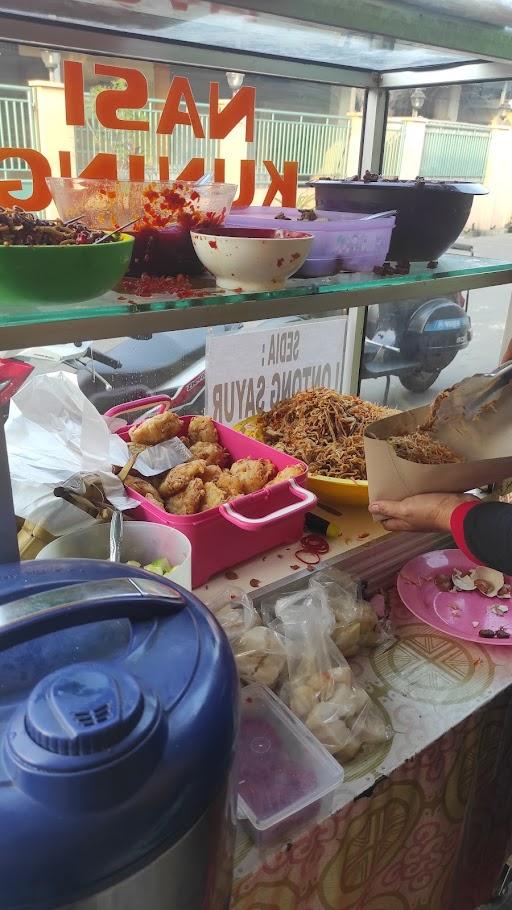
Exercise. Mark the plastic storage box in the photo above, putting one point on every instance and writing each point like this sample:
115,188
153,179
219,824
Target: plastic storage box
285,776
343,241
231,533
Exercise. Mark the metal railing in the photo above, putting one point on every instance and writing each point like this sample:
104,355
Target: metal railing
393,148
455,151
17,129
319,142
93,138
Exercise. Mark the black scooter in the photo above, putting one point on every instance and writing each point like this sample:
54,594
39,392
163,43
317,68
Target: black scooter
414,340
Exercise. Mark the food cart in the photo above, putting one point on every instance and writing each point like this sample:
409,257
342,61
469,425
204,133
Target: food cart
424,819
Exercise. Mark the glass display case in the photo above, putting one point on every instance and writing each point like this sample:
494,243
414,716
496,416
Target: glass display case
334,89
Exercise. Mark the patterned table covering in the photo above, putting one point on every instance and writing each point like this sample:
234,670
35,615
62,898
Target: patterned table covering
423,821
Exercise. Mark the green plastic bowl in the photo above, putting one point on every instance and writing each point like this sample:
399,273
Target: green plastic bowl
62,274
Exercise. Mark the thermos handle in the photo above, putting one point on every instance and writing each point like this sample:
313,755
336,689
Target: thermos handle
136,598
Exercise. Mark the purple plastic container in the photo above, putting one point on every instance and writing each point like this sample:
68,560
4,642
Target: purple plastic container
343,241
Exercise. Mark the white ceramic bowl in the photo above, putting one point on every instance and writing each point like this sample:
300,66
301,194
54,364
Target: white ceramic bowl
251,259
143,541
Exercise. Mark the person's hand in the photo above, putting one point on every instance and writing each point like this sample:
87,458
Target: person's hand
427,512
507,354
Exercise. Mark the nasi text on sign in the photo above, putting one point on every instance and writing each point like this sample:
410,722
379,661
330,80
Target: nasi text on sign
179,108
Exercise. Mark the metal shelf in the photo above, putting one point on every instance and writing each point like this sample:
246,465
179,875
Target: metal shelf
114,314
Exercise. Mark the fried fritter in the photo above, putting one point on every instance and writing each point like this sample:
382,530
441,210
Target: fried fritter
212,473
145,488
229,484
253,473
211,452
189,500
202,429
214,496
156,429
178,478
292,470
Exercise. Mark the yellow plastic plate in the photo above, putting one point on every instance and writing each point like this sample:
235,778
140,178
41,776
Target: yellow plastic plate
332,491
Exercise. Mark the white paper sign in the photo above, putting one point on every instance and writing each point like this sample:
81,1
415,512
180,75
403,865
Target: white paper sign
250,371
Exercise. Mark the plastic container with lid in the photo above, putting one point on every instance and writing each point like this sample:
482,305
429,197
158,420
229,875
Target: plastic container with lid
118,714
342,241
285,776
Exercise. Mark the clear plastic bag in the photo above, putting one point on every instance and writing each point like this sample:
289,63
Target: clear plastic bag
259,652
234,611
356,625
260,656
286,605
320,688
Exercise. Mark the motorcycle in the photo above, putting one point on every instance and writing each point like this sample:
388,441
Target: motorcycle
414,340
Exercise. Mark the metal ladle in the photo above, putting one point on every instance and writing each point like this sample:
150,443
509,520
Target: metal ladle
118,230
379,215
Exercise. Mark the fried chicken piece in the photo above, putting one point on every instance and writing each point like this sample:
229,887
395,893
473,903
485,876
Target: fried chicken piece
202,429
293,470
145,488
212,453
212,473
214,496
253,473
156,429
178,478
186,441
229,484
189,500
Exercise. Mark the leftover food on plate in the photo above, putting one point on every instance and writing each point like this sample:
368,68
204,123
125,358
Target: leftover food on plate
210,478
488,582
21,228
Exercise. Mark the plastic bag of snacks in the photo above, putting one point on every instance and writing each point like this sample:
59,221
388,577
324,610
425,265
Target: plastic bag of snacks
356,625
260,656
288,604
320,688
234,611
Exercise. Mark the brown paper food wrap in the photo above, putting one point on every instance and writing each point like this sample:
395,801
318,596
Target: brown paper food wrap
485,443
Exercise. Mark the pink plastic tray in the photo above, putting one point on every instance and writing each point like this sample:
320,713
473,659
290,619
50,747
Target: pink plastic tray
451,613
231,533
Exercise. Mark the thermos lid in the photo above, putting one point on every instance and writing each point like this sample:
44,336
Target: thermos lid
118,703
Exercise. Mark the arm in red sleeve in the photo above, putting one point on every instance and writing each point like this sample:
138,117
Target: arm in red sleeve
483,531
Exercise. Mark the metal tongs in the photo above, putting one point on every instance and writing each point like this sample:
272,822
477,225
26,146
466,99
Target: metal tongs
94,502
471,397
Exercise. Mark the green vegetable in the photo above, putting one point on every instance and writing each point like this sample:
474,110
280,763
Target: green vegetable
160,566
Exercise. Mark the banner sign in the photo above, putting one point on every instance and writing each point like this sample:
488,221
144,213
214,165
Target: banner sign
248,372
129,93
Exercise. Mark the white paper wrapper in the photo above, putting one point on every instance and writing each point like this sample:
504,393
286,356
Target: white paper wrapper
54,435
154,460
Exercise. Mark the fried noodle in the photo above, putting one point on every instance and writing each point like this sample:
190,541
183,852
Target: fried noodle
422,448
324,429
